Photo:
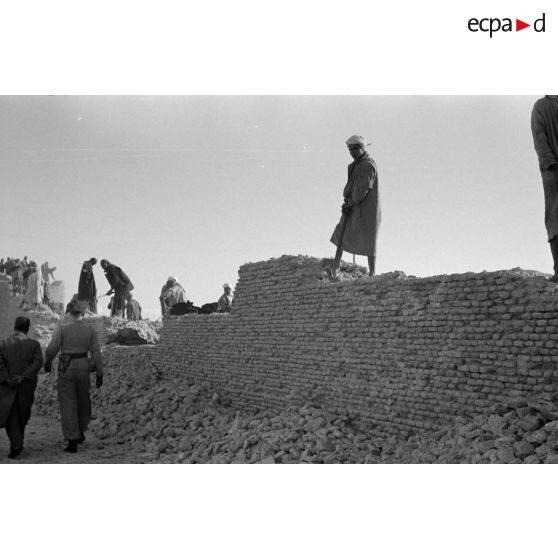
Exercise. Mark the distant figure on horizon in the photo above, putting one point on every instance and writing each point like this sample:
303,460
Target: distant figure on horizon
34,291
133,308
21,359
357,231
47,272
87,290
224,303
544,126
120,285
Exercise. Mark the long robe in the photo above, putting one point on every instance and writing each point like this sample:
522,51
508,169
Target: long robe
87,290
544,125
34,291
19,356
363,220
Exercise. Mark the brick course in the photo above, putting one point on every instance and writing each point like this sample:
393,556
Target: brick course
402,354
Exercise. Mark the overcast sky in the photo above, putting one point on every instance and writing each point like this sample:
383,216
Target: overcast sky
196,186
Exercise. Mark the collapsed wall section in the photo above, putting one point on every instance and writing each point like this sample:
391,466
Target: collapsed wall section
404,354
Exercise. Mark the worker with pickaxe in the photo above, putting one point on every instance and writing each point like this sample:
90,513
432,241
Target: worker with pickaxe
357,230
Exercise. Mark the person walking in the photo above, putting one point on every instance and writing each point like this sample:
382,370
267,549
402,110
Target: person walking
357,230
78,344
544,127
21,359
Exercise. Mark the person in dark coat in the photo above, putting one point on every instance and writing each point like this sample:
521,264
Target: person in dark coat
76,341
120,285
544,126
87,290
20,361
361,207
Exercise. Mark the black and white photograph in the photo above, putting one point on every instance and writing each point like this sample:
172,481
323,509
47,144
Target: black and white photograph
316,237
242,279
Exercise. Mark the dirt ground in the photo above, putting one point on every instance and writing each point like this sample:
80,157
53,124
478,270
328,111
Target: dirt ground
44,444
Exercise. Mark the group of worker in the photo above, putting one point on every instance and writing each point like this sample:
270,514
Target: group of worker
28,280
356,232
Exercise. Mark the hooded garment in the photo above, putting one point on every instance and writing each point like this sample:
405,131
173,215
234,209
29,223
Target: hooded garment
33,293
87,290
544,125
363,221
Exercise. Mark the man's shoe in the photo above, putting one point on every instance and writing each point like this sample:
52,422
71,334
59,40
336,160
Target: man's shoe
81,439
15,453
71,447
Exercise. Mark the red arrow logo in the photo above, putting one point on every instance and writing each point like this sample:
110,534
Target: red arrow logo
519,25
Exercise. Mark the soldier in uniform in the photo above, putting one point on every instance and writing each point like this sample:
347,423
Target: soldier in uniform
78,345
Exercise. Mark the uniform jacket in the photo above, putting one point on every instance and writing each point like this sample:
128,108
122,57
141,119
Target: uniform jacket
75,337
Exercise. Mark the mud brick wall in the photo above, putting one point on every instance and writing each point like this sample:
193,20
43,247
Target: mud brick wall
403,354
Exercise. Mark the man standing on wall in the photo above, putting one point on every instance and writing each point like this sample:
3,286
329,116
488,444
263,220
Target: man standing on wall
87,290
75,341
357,230
544,125
120,285
20,361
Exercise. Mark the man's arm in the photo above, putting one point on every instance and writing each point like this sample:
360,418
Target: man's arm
53,347
547,158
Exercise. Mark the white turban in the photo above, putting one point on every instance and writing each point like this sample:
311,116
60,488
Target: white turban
227,286
357,140
172,279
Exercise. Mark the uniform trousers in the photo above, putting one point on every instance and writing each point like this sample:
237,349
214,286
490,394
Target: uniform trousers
74,401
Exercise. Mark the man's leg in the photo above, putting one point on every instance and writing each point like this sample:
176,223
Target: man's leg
67,401
14,429
554,250
372,265
83,385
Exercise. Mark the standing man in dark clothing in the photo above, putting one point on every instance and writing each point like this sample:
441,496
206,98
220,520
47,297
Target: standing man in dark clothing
76,341
20,361
544,125
357,230
87,290
120,285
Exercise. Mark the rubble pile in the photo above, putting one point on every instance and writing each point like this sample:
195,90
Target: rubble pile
519,430
179,419
123,332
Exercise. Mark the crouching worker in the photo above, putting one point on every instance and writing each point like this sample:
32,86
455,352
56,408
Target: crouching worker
78,344
20,361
